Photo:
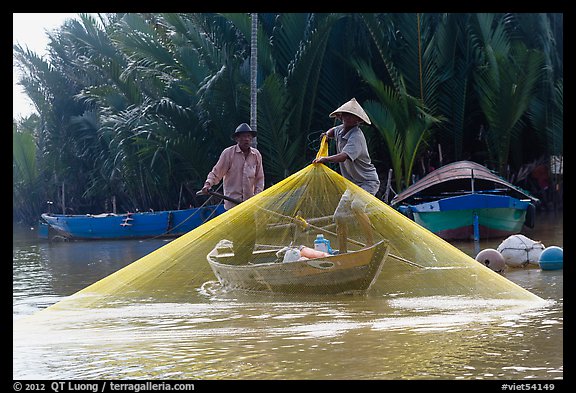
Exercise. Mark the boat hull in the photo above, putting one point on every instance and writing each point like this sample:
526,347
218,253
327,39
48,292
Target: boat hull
454,218
353,272
130,225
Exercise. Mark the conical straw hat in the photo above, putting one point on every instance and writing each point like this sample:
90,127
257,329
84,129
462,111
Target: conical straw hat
354,108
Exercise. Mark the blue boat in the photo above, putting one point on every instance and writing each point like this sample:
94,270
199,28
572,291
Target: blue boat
465,200
140,225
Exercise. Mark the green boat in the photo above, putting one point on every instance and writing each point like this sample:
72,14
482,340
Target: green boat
465,200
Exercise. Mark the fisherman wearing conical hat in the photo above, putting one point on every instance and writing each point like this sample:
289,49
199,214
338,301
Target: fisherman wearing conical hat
355,165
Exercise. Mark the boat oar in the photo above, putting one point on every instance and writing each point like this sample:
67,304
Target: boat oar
221,196
301,221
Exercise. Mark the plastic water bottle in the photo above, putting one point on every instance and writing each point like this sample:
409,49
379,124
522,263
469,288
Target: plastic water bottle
322,244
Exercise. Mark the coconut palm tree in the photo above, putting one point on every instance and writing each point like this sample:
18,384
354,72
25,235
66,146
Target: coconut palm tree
27,196
299,47
61,147
505,84
403,111
542,32
136,105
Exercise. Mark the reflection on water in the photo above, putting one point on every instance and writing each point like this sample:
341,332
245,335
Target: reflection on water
220,335
354,338
43,273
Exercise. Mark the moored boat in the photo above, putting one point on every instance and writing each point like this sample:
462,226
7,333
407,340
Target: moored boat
140,225
352,272
465,200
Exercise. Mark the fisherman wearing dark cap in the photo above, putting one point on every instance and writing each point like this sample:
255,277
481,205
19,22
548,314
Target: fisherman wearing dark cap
240,168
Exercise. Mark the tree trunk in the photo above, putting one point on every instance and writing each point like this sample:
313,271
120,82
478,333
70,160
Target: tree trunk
253,76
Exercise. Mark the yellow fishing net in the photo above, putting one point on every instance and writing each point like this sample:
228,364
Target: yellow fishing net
289,216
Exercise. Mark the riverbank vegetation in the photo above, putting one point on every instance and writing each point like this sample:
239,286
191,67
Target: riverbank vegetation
134,109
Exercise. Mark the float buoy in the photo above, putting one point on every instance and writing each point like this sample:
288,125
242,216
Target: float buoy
520,251
552,258
492,259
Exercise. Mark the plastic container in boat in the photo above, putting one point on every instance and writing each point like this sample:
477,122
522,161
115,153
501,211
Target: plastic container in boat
322,244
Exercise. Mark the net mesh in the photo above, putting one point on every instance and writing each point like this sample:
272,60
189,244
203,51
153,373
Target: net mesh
290,215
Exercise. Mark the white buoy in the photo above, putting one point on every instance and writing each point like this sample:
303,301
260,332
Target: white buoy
520,251
492,259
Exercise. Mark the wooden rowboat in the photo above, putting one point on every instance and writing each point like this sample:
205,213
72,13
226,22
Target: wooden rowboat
352,272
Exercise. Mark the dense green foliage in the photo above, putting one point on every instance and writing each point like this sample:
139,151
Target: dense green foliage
139,106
